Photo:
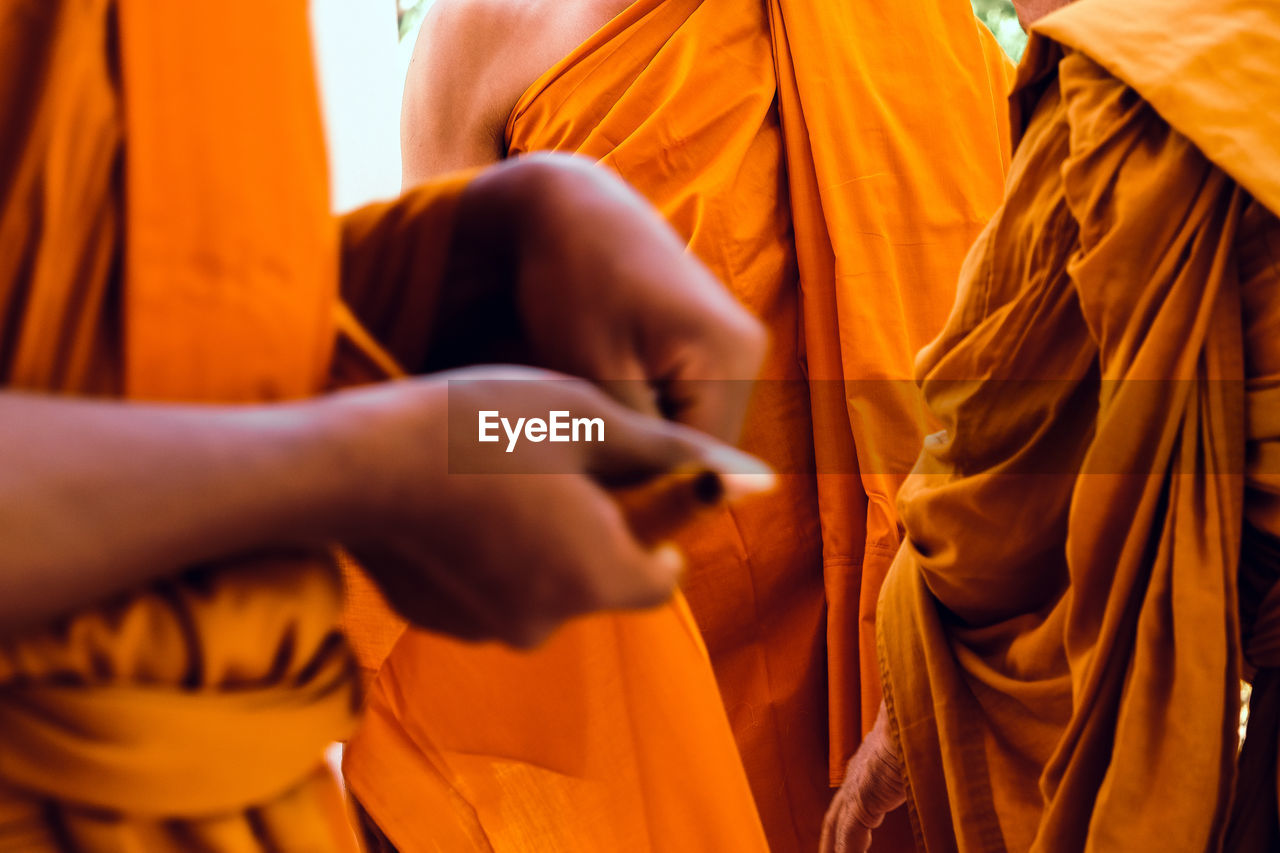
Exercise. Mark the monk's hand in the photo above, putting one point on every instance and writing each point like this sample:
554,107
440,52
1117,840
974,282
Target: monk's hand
601,287
874,785
506,537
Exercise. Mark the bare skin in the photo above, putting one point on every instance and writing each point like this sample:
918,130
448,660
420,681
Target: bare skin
1030,11
543,233
875,781
457,98
874,785
98,497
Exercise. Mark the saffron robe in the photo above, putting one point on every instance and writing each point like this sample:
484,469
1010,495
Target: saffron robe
165,235
839,214
1061,636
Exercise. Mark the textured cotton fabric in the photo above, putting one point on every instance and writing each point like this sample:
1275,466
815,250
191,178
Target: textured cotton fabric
1061,634
165,235
831,163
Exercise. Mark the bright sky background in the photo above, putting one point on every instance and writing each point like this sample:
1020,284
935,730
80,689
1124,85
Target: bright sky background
360,65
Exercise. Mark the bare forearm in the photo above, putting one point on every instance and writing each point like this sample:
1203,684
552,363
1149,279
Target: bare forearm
503,220
394,259
97,497
433,274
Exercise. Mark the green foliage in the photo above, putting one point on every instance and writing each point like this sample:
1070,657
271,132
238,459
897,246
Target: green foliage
1000,18
410,13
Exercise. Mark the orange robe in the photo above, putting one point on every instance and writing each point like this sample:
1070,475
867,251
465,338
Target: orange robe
1094,536
165,234
839,213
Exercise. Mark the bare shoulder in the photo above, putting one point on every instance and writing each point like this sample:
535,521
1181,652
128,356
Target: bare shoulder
472,62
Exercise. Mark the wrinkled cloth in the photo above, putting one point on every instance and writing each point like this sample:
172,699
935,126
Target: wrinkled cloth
165,235
839,213
1061,633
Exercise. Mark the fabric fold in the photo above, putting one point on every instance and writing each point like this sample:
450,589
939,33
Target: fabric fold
885,209
167,236
796,147
122,748
1062,631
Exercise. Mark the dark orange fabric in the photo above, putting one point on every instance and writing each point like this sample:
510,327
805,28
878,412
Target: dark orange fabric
1061,641
165,233
681,97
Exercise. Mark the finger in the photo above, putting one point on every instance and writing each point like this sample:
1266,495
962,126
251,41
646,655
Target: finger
634,391
841,831
715,406
710,371
658,508
827,843
640,448
592,563
852,836
625,571
438,594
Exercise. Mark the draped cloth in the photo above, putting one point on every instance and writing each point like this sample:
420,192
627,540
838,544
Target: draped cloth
796,146
610,738
896,143
1091,548
165,235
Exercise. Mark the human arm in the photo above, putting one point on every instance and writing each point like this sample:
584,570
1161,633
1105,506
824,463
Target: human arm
554,262
98,497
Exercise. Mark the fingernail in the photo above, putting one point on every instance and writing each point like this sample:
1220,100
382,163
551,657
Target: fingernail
741,473
730,460
670,558
738,486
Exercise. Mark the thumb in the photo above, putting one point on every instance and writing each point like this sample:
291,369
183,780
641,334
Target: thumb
640,449
656,509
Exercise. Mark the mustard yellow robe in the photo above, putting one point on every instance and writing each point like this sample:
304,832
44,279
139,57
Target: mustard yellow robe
1091,548
165,234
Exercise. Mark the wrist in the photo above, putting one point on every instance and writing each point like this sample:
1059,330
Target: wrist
373,450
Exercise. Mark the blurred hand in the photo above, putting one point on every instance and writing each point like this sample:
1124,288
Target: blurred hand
471,540
596,285
874,785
